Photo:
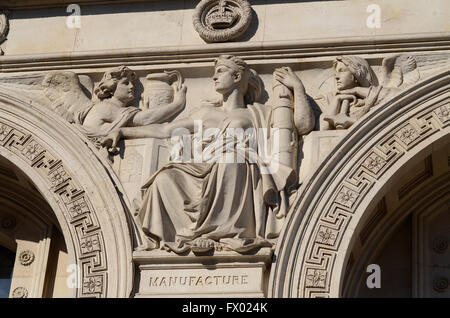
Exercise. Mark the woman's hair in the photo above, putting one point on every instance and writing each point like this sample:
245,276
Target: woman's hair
107,86
360,69
253,85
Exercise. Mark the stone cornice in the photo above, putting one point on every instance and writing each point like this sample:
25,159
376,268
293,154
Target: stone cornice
34,4
198,55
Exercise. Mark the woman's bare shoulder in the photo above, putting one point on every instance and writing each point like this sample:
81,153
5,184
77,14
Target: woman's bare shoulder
203,110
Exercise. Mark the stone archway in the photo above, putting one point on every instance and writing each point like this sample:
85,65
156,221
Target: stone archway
29,230
79,187
406,236
313,249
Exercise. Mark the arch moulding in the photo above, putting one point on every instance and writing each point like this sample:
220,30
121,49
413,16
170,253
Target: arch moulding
81,189
313,248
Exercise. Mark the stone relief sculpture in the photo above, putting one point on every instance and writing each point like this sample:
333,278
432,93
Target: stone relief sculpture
64,92
159,90
4,27
222,20
358,88
215,203
112,108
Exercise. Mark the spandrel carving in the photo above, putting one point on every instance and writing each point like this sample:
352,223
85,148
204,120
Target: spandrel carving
111,106
116,94
234,192
358,89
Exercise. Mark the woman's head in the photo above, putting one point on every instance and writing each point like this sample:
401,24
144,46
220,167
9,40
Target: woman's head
231,73
353,71
117,82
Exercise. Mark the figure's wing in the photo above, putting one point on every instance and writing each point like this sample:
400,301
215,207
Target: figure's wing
64,91
429,64
400,70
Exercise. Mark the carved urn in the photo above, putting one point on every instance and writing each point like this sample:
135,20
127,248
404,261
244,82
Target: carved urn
159,88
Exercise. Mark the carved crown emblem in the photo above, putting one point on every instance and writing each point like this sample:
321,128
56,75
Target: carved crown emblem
222,20
221,16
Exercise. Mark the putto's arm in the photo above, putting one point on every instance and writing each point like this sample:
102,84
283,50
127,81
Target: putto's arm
149,131
158,130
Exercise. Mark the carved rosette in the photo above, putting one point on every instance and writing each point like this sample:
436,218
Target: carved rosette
26,257
20,292
8,223
440,244
222,20
440,284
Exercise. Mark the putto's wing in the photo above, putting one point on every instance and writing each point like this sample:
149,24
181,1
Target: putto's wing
400,70
64,91
25,87
61,92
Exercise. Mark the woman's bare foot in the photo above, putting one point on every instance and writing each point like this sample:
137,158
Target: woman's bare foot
201,244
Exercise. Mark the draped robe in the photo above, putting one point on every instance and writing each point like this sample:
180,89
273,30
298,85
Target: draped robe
239,205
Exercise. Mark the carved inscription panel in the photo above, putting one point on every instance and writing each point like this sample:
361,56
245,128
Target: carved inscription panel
199,281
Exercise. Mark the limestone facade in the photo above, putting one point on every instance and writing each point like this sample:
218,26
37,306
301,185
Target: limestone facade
225,148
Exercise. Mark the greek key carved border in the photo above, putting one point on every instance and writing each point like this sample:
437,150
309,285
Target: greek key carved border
78,211
321,252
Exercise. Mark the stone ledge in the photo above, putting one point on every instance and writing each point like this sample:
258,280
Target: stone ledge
162,257
36,4
200,55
